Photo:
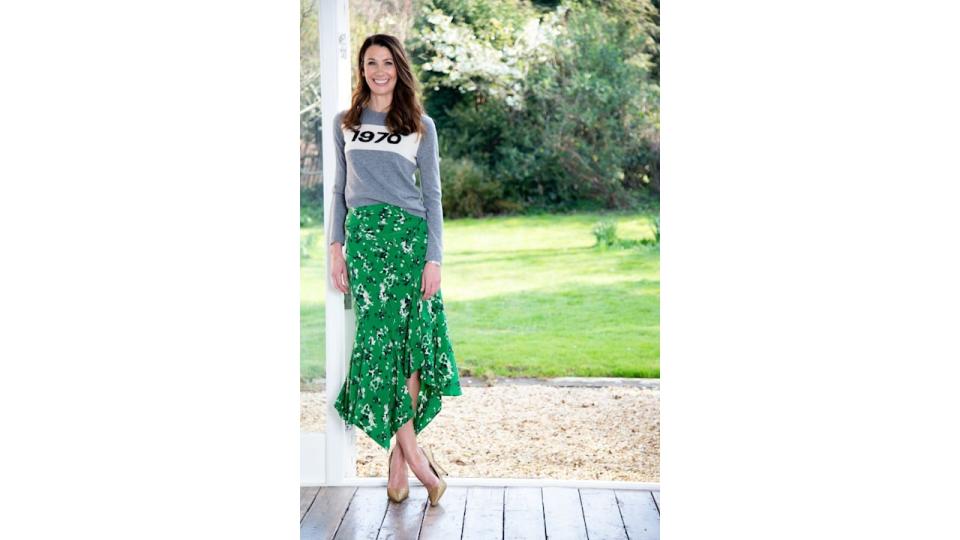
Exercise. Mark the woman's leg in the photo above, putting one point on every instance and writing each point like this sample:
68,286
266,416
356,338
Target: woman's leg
407,439
398,469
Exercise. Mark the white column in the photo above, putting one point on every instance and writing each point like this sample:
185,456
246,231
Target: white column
335,72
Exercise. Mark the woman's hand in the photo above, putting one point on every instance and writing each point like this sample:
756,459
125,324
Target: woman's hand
338,268
430,281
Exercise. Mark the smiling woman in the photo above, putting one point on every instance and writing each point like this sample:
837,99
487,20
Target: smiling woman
402,361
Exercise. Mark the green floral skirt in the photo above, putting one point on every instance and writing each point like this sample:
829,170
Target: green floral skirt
398,333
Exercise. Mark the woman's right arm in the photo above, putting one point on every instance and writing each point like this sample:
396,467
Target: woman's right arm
338,267
339,205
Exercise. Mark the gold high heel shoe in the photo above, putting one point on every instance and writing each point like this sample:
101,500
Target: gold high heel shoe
436,492
395,495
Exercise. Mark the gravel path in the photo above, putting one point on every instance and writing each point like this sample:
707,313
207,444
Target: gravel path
530,431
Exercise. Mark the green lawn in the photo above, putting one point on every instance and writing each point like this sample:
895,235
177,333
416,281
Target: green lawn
530,296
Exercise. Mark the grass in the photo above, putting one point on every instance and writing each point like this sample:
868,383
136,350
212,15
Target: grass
530,296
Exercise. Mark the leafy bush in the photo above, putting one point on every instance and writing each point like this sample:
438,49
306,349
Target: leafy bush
606,233
588,111
467,190
655,241
311,205
574,118
483,47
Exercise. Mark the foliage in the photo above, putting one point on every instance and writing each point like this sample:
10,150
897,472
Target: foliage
309,69
311,205
606,232
568,115
489,58
636,22
468,190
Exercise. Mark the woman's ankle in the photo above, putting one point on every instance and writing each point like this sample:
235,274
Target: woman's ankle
420,466
432,478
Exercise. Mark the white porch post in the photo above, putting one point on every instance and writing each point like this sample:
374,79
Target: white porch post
335,71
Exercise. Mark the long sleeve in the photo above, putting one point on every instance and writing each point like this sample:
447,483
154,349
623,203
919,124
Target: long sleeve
339,206
428,160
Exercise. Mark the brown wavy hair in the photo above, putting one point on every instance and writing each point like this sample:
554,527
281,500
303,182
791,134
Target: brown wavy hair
405,108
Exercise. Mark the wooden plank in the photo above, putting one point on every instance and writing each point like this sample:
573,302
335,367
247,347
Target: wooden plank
445,520
640,516
402,520
307,494
324,516
602,514
523,513
656,497
365,514
563,514
483,516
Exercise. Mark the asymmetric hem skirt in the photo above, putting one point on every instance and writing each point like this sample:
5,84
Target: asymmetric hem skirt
398,332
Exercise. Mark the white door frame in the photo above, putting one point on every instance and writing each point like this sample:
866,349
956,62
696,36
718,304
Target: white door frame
339,443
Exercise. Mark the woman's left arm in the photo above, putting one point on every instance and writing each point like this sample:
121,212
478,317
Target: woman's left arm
428,160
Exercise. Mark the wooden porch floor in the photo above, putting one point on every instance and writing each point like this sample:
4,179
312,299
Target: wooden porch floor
481,512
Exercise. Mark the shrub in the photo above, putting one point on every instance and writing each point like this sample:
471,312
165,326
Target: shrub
582,121
311,205
606,233
467,190
655,241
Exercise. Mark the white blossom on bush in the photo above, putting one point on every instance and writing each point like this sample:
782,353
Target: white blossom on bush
463,61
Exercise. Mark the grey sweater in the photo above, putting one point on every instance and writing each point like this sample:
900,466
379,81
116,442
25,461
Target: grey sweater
374,166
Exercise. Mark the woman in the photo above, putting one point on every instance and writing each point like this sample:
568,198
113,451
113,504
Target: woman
402,361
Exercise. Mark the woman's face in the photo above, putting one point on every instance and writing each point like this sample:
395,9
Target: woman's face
379,70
